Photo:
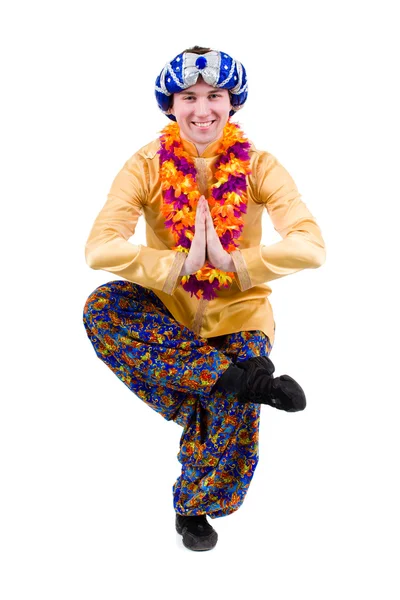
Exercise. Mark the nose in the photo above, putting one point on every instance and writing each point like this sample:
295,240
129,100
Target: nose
202,108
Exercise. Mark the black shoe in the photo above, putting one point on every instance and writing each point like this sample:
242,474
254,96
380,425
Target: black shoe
260,387
196,531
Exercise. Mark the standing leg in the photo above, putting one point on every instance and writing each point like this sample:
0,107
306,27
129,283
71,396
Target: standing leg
219,444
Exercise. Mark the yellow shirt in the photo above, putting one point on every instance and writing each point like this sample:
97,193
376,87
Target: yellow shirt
244,306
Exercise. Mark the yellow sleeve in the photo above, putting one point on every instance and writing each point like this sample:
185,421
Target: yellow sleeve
302,246
107,247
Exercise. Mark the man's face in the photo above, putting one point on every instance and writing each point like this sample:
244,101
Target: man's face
201,112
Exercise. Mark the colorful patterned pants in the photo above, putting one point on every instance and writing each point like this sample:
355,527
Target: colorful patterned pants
173,370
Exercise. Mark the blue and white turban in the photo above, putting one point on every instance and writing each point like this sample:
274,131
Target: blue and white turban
216,68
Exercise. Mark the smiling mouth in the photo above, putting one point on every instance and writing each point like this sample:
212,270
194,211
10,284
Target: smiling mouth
202,124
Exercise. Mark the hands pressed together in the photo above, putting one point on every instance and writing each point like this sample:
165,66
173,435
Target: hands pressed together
206,244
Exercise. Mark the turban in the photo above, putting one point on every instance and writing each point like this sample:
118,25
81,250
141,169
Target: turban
216,68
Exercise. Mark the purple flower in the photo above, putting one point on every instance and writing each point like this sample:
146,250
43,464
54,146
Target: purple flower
226,238
180,202
209,289
169,195
183,240
192,285
184,166
240,150
234,184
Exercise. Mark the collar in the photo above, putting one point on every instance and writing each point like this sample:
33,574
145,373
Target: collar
209,152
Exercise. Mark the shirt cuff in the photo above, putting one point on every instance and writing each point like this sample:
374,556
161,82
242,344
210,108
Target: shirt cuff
242,276
173,277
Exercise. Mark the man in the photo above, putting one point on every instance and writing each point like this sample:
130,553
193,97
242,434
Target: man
190,327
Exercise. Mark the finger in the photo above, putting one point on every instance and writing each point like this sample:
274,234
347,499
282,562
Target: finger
209,214
200,209
209,219
200,205
211,234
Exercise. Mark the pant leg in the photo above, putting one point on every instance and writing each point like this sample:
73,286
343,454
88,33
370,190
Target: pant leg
159,359
219,444
173,370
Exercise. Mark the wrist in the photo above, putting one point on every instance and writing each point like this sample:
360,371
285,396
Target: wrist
229,265
184,270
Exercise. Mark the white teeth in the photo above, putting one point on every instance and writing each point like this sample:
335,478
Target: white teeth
202,124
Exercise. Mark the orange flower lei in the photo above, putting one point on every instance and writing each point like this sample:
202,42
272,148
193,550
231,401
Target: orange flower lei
227,201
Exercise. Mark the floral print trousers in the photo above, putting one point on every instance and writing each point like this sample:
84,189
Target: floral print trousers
173,370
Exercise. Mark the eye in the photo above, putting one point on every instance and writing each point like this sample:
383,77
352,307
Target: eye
216,95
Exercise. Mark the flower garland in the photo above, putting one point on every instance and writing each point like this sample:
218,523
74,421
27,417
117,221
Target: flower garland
227,201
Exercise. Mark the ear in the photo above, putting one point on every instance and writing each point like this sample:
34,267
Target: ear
170,111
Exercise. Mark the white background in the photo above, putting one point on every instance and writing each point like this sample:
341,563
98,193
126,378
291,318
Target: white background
86,468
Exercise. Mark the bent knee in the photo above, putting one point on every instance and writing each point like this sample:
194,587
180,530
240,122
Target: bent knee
98,299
